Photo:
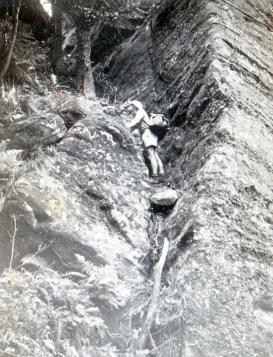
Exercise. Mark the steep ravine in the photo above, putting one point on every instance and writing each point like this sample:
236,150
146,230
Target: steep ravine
75,197
212,71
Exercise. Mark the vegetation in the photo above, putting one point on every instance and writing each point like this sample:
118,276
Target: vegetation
53,314
7,46
57,313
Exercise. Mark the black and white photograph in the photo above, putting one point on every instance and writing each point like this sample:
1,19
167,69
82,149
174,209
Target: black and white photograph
136,178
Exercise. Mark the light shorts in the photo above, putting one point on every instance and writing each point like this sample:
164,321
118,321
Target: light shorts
149,138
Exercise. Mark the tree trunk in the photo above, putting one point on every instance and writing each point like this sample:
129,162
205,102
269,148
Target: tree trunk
155,296
85,79
9,51
57,22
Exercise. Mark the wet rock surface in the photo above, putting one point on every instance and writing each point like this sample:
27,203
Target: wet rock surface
78,213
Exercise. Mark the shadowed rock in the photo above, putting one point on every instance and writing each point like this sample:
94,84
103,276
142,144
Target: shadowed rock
206,63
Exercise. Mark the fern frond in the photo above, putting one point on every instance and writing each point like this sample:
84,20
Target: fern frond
36,261
75,274
86,267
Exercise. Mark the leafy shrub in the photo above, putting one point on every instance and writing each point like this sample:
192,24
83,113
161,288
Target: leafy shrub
46,314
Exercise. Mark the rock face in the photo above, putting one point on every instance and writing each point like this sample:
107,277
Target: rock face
79,212
38,129
80,209
208,64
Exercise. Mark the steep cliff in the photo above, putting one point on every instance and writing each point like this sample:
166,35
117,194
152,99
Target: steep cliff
76,223
208,63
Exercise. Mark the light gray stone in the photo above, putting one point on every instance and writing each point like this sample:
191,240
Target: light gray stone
164,197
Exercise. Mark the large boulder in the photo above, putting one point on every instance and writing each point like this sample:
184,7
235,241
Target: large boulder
34,131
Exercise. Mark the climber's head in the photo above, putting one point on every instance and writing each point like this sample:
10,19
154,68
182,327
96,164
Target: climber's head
137,104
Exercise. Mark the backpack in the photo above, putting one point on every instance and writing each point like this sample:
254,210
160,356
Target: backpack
159,125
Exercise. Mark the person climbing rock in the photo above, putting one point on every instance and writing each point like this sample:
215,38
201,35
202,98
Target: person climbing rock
146,126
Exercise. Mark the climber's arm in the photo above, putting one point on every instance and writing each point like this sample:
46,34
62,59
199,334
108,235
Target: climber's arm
135,122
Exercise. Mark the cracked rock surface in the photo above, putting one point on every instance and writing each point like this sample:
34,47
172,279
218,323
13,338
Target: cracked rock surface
208,64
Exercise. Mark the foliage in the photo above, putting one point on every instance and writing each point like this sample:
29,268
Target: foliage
7,49
107,11
8,109
45,313
103,284
11,167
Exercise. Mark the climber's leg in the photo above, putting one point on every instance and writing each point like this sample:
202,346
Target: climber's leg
159,164
150,152
150,142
